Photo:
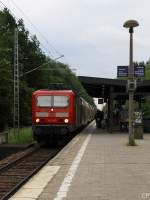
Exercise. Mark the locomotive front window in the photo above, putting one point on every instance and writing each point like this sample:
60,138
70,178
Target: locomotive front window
44,101
61,101
52,101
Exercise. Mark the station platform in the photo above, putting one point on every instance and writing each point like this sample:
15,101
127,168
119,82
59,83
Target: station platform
95,165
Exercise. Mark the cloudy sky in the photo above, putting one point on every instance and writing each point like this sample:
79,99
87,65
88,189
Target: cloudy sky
89,33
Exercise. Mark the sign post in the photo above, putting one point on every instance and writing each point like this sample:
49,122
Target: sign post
130,24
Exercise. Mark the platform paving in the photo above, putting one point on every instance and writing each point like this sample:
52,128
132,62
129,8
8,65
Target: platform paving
96,165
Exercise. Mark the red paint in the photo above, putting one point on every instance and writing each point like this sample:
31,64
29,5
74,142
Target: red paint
52,119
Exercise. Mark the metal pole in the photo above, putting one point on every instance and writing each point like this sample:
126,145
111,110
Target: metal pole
131,84
16,116
131,92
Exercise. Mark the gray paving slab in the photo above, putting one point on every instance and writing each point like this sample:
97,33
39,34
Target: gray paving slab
108,170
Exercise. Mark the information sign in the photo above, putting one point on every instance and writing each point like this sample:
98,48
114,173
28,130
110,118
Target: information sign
100,101
139,70
122,71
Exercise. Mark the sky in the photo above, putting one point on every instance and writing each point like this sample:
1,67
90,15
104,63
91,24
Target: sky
89,33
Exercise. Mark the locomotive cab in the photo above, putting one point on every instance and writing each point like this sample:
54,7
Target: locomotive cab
57,112
52,113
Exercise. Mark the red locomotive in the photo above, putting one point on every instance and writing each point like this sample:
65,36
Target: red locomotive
58,112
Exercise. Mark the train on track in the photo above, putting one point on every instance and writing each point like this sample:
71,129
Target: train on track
57,112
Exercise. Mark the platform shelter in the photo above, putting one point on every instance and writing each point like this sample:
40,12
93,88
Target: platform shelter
114,89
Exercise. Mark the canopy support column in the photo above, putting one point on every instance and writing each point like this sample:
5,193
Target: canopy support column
110,110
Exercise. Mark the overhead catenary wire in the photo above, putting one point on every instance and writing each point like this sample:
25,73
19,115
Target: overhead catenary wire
43,46
1,7
30,36
35,27
54,58
4,6
28,72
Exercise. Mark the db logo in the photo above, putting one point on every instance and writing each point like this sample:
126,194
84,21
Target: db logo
145,195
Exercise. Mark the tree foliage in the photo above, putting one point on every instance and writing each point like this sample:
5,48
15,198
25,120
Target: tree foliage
30,57
146,104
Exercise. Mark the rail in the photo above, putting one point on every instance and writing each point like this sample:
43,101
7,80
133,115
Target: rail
14,174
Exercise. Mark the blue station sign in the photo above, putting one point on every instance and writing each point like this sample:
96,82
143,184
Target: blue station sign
122,71
139,71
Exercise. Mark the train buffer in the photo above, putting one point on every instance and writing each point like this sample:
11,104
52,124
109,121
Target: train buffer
94,165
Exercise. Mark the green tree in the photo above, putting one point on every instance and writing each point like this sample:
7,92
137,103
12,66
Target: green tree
7,24
5,91
30,57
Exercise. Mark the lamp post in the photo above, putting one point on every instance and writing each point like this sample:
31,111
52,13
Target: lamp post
130,24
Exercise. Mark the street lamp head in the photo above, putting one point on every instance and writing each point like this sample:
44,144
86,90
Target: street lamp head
131,24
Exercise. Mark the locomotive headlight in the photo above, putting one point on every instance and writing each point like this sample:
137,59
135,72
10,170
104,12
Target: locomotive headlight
37,120
66,121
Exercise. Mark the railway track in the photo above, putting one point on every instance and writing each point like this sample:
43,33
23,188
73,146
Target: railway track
15,173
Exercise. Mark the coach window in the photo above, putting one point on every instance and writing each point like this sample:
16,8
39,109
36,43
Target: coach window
44,101
61,101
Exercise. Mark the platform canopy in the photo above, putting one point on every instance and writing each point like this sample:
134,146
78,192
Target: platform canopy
102,87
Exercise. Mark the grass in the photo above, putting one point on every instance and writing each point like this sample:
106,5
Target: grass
23,137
